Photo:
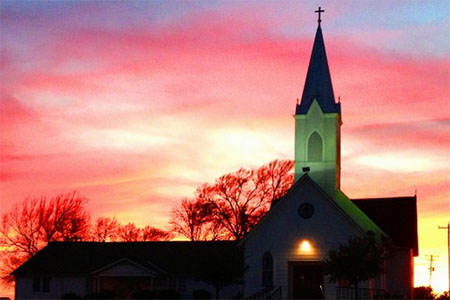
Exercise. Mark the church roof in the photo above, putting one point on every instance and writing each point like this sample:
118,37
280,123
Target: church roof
318,81
357,214
397,217
176,257
342,201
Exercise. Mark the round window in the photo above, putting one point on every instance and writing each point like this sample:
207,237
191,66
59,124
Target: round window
306,210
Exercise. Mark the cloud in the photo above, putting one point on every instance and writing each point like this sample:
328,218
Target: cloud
144,110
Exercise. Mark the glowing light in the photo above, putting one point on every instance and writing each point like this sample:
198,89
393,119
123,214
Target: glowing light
305,248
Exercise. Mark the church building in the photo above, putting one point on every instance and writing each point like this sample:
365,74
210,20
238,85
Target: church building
288,247
283,256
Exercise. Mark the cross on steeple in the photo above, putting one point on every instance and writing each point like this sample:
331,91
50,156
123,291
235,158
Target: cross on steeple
319,11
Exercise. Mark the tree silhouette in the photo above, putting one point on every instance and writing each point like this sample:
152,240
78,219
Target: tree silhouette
424,293
231,206
195,220
105,230
35,222
221,270
359,259
129,233
443,296
149,233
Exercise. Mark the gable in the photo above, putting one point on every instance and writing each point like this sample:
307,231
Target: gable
124,267
331,224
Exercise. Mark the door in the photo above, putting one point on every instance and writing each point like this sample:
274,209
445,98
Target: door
306,280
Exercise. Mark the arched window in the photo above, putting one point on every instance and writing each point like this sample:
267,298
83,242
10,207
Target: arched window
315,146
267,270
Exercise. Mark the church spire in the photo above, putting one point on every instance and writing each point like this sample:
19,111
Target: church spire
318,123
318,80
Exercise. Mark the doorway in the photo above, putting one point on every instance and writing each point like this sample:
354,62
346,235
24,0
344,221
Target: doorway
306,280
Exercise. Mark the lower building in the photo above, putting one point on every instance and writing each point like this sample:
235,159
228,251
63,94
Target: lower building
281,258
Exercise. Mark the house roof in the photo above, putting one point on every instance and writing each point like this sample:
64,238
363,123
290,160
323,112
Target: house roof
86,257
318,81
397,216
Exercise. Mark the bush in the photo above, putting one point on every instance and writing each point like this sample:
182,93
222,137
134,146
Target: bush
444,296
103,295
68,296
201,294
168,294
143,295
423,293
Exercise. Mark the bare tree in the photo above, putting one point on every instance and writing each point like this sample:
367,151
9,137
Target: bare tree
35,222
105,230
195,220
234,203
129,233
149,233
64,217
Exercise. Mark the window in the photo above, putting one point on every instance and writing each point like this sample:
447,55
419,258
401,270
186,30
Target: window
315,147
267,270
45,285
36,284
41,284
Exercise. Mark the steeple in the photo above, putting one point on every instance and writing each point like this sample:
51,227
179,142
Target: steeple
318,123
318,80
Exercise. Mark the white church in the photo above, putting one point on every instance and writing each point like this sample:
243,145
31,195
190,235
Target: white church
283,255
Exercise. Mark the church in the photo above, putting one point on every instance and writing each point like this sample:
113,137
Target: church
283,257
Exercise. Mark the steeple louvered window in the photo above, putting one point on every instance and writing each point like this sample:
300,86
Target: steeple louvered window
315,147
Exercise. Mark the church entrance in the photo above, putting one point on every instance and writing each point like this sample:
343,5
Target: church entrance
306,280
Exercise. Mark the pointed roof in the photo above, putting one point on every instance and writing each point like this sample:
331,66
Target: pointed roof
318,81
356,215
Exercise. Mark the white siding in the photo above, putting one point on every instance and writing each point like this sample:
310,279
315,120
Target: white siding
58,287
283,229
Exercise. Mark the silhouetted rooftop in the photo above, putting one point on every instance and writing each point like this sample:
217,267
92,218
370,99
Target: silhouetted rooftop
396,216
87,257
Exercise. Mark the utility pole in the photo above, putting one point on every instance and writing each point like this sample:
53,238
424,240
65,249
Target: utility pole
431,268
448,246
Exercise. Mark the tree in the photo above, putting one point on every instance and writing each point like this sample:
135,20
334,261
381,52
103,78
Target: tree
195,220
149,233
359,259
221,268
105,230
443,296
424,293
35,222
129,233
231,206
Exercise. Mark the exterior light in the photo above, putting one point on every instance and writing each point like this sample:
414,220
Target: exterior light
305,248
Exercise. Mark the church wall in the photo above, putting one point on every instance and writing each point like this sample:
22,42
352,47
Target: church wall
400,272
282,231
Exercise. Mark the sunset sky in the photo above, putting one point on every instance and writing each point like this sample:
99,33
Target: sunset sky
135,104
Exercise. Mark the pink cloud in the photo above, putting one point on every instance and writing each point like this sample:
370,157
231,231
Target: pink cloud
141,117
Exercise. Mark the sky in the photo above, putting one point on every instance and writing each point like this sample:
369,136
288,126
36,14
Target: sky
136,103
